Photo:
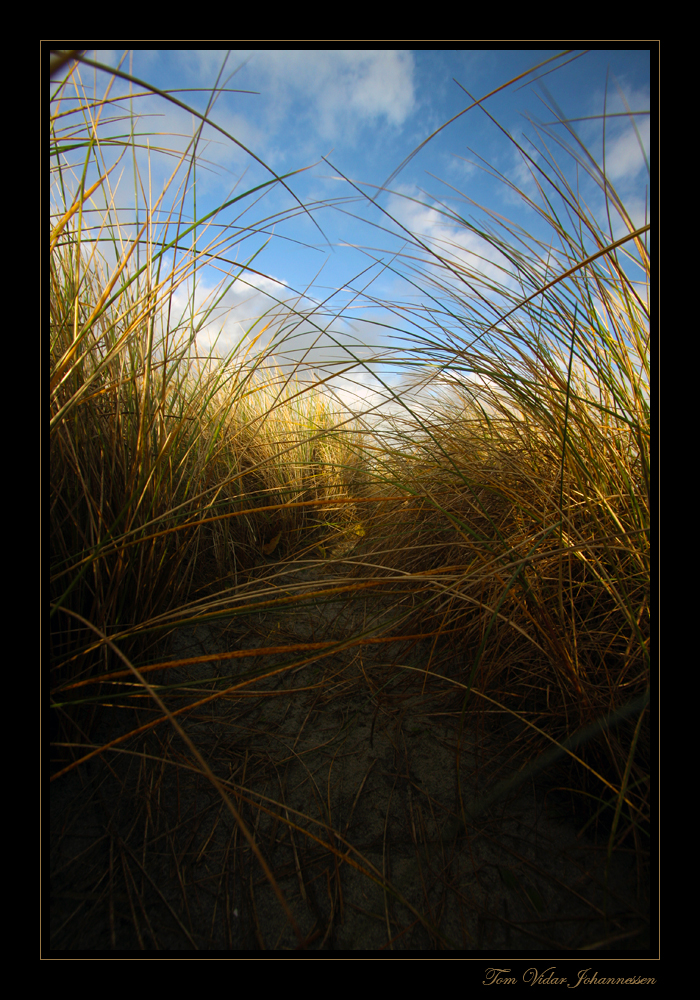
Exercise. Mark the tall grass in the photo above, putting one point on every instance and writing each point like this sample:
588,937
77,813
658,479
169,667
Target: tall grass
509,527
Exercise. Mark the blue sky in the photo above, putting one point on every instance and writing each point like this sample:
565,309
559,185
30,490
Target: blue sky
365,112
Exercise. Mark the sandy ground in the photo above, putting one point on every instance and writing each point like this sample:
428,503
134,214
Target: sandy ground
361,830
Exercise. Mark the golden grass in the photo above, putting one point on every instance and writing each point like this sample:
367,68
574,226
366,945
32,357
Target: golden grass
508,533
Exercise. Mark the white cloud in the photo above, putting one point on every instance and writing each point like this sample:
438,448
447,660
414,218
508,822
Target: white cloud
341,89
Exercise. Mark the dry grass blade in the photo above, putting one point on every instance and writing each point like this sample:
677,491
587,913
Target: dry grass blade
319,683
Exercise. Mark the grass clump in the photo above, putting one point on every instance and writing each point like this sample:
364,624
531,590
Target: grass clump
504,539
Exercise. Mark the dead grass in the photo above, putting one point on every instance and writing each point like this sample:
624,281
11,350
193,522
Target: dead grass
284,665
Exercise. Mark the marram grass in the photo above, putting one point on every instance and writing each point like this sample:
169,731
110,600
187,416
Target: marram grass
506,533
